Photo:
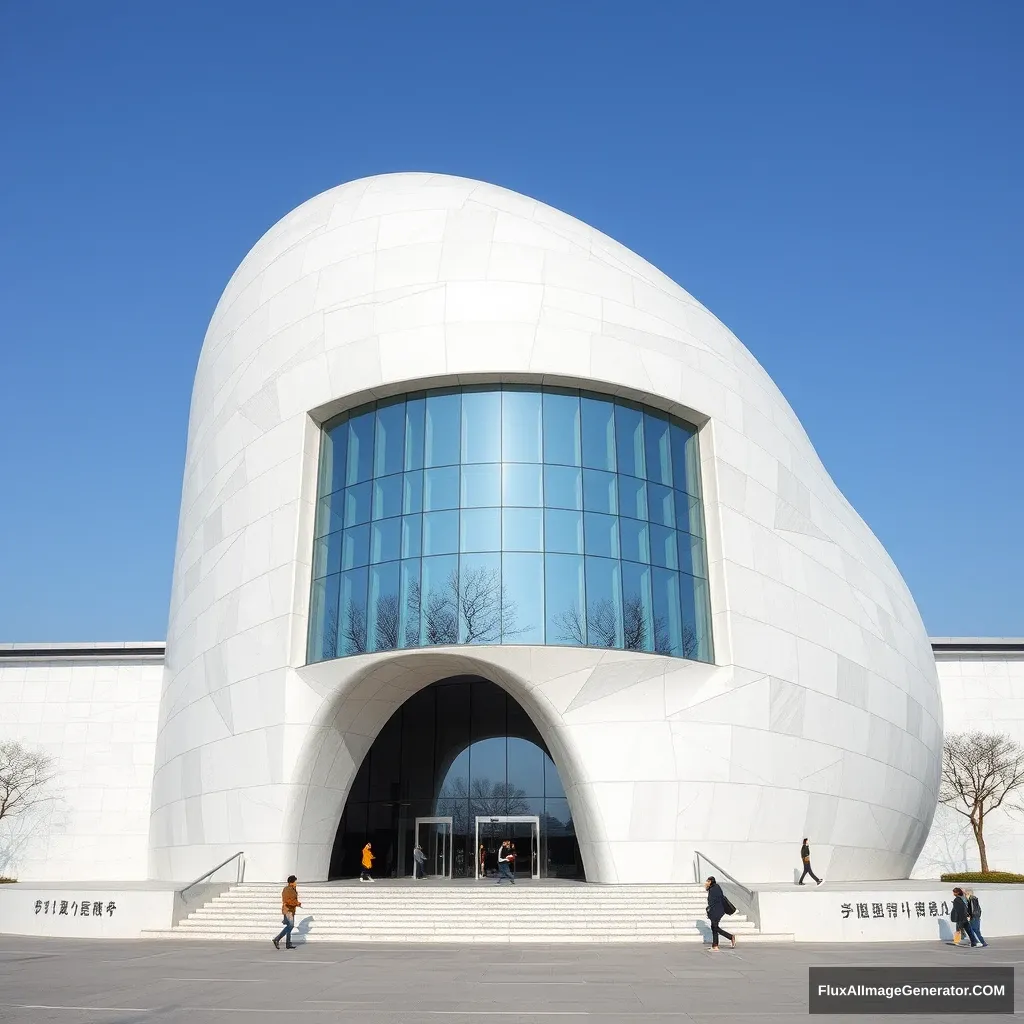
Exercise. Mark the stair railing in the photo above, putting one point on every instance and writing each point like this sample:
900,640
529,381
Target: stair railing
183,905
744,898
240,873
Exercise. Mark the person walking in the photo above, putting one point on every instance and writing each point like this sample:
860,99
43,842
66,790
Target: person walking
974,921
368,858
289,902
805,856
960,915
503,868
718,906
419,859
483,861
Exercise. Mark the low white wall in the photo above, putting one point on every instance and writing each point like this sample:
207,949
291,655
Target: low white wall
83,912
94,711
892,915
983,692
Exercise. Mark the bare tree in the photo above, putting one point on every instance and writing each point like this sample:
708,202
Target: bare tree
24,777
387,620
979,771
601,628
355,629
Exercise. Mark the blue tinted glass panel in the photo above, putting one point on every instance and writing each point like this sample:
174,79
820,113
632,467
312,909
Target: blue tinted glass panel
635,542
688,617
481,426
525,767
481,529
600,492
521,426
442,432
332,458
563,531
415,409
385,608
389,443
522,598
327,555
691,555
409,608
661,503
685,463
360,447
479,605
355,546
412,492
563,487
352,612
562,428
668,629
637,609
629,437
632,497
663,547
440,488
598,419
412,533
658,449
522,529
563,600
358,504
385,540
387,496
323,616
522,485
702,616
481,485
601,535
330,514
439,611
688,515
604,603
440,533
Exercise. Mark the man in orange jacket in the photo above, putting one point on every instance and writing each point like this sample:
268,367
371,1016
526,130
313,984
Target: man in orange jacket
289,903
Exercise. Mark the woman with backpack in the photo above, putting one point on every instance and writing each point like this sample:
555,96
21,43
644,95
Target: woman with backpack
718,905
973,925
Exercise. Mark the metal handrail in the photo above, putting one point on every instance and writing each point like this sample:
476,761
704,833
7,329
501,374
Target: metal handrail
721,871
202,878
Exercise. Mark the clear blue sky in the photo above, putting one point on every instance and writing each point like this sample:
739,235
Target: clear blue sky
840,182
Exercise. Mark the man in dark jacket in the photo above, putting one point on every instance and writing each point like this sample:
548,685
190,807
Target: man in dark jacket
805,856
716,908
960,915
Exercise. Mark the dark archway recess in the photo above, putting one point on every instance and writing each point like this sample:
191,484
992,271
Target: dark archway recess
461,747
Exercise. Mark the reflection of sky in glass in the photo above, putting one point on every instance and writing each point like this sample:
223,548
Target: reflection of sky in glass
516,515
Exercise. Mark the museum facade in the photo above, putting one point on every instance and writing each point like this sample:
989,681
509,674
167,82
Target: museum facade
490,531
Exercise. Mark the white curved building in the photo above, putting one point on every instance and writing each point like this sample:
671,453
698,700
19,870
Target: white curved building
473,485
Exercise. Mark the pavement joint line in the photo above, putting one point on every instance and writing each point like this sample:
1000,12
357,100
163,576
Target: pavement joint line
89,1009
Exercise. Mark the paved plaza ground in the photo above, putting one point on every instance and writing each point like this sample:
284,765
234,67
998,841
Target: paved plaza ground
156,982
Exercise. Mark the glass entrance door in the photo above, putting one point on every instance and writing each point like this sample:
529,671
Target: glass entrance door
434,835
522,831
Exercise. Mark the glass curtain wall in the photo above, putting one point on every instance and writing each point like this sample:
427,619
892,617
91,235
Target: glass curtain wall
460,748
511,515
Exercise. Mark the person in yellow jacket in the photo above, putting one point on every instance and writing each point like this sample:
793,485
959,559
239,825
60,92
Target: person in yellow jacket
367,864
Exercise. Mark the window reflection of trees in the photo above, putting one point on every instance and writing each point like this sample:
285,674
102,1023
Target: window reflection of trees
475,601
639,631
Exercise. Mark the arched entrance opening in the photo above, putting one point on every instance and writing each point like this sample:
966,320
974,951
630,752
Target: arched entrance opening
461,749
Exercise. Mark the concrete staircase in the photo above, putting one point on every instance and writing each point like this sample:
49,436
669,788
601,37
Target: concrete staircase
465,913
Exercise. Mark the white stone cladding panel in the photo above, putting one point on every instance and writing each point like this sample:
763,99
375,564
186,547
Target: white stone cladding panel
97,720
405,281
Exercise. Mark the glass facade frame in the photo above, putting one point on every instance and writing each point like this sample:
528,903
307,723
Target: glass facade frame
509,514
